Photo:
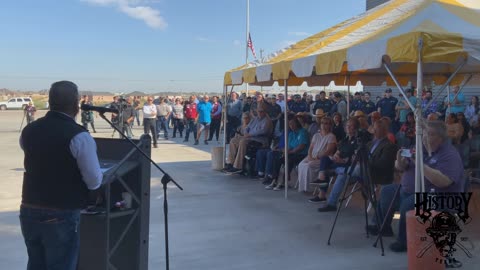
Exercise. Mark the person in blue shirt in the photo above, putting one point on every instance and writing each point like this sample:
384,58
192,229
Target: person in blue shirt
386,106
298,143
457,101
204,109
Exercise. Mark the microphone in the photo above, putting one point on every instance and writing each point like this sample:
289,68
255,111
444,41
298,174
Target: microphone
86,107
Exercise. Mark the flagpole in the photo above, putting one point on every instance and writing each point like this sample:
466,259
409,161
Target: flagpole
247,38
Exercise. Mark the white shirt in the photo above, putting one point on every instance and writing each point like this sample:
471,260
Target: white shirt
282,104
149,111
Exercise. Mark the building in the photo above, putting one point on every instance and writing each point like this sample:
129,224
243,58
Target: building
373,3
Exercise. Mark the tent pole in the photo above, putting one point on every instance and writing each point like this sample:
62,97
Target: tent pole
419,179
348,96
400,88
447,82
285,149
224,113
449,105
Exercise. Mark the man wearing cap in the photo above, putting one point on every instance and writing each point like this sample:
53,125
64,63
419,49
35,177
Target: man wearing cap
323,103
61,166
298,105
386,106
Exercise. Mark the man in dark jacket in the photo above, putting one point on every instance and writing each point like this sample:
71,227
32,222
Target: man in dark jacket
61,165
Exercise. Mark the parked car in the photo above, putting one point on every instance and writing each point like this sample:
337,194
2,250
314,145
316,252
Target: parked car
15,103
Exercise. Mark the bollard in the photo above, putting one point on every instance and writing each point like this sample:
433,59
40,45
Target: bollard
217,158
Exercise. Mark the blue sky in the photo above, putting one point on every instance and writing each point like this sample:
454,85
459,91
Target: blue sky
149,45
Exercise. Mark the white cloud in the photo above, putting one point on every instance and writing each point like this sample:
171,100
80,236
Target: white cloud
287,43
204,39
237,42
299,34
136,9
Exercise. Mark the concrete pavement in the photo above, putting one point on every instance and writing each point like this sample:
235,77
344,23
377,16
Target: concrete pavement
218,222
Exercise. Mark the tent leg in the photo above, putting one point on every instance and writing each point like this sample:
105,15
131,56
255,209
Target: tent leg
285,130
224,114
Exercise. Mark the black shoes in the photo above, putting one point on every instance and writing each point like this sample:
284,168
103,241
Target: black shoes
327,208
398,247
316,199
155,146
373,230
196,142
206,142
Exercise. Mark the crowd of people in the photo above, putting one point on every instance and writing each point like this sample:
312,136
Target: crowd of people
324,139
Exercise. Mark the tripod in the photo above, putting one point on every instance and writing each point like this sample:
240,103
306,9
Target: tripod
367,188
165,180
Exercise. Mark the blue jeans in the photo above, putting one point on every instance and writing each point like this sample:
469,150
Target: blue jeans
51,237
403,203
162,124
265,159
339,184
191,127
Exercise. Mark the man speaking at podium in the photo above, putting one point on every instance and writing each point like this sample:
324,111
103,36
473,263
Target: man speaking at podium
61,166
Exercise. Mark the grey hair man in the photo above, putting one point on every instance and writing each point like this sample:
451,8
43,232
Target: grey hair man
61,166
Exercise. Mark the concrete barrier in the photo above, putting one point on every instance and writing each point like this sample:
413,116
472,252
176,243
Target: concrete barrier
217,158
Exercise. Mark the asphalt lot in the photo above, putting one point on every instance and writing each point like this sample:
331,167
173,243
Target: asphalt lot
218,221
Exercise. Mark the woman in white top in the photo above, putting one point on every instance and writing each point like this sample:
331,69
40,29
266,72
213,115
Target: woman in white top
323,144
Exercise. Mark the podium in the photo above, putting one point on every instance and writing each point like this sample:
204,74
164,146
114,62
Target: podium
112,237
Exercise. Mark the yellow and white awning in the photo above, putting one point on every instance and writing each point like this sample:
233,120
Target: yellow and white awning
356,48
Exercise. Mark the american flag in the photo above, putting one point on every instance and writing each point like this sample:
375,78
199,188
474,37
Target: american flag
250,45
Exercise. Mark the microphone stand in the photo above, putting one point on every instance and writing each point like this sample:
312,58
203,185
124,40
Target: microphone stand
165,180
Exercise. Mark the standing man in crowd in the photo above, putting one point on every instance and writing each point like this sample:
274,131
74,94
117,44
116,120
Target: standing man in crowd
368,106
204,109
433,108
191,114
149,119
234,114
323,103
138,107
386,106
30,112
298,105
457,101
216,119
163,113
274,112
61,166
87,116
177,115
128,116
340,106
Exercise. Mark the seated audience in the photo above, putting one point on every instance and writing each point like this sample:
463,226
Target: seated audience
259,129
322,145
454,129
338,129
443,172
297,150
340,162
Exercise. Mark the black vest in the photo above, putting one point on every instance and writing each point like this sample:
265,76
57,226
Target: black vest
52,177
